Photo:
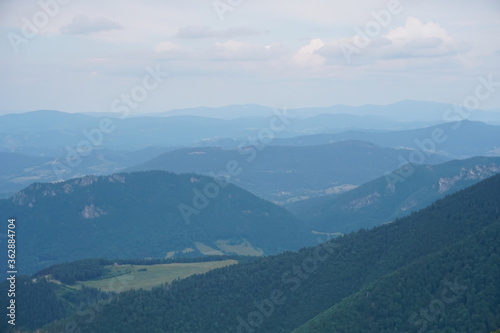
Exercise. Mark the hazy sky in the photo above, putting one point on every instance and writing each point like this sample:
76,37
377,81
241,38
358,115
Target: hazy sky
84,55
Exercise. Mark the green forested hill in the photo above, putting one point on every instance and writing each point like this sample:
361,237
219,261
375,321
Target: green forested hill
394,195
141,215
456,290
39,302
83,286
383,276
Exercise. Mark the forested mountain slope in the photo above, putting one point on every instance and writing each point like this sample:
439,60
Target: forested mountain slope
281,293
146,214
394,195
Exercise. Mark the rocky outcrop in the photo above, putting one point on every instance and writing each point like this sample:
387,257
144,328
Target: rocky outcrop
479,172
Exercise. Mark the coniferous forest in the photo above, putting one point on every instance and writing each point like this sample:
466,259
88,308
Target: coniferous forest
434,271
233,166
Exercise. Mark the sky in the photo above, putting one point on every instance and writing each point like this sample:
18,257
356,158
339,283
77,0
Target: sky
158,55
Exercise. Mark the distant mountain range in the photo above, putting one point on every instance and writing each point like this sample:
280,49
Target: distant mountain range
403,111
282,173
382,200
73,145
146,214
44,131
456,140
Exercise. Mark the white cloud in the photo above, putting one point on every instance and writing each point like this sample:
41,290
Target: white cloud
417,39
415,29
414,39
82,25
429,40
307,55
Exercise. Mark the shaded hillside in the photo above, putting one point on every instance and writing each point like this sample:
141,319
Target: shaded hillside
146,214
59,290
395,195
39,302
456,290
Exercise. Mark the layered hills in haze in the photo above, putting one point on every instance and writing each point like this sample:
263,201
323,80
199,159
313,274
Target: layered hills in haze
74,145
337,219
455,140
280,173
